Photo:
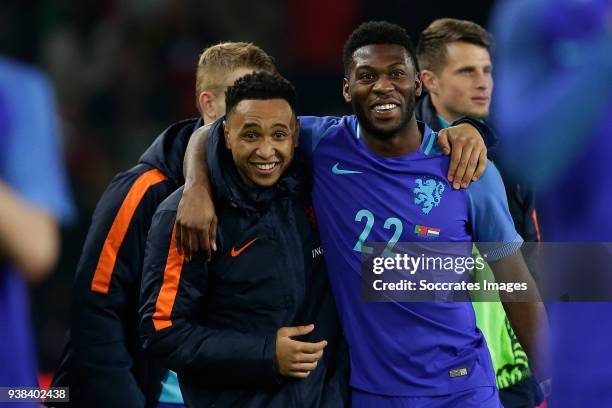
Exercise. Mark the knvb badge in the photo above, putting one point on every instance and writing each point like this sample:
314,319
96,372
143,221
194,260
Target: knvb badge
427,232
428,193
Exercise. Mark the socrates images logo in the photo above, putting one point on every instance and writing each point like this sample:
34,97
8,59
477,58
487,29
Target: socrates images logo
427,232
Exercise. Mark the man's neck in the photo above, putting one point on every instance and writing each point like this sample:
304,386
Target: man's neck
403,142
443,122
447,116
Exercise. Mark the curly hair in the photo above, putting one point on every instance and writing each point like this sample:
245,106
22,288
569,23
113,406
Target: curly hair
376,32
260,86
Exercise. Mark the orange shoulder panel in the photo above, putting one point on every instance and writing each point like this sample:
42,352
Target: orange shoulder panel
114,239
169,288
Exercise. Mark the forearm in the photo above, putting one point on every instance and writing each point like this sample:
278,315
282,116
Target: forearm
103,327
174,331
196,219
101,367
525,312
530,325
194,164
104,386
29,236
218,357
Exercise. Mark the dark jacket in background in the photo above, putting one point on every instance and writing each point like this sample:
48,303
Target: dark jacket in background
103,363
215,323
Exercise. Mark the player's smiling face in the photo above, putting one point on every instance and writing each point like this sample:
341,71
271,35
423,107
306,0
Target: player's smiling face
382,87
262,136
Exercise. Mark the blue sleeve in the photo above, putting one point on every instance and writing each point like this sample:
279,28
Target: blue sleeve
490,220
312,130
33,163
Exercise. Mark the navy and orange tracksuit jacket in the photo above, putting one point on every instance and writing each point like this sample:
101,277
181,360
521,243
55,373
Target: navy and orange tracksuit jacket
215,323
103,363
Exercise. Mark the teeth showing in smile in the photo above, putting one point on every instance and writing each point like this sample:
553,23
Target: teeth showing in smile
385,107
265,166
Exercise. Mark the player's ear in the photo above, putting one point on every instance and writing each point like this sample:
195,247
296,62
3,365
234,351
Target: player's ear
226,136
429,80
206,103
296,132
418,85
346,90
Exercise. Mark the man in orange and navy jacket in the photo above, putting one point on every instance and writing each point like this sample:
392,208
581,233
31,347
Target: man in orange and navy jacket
257,326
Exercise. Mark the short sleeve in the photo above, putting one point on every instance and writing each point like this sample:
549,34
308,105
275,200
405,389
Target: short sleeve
491,223
33,164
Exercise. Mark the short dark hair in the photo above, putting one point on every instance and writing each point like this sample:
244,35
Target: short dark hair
376,32
261,86
431,49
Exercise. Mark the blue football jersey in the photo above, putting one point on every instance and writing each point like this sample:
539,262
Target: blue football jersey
400,348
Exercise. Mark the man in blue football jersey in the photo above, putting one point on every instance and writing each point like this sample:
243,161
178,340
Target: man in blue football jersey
365,170
392,152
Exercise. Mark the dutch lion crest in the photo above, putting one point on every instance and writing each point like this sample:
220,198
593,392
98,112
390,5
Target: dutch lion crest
428,193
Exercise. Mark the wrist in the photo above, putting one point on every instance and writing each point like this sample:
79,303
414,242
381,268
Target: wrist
190,183
195,186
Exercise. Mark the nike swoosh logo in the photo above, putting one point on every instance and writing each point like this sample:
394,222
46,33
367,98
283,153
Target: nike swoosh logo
337,170
235,252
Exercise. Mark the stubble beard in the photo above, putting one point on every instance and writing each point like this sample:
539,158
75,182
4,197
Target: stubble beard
384,134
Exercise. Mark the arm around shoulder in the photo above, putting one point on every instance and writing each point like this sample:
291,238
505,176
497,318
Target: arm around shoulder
171,327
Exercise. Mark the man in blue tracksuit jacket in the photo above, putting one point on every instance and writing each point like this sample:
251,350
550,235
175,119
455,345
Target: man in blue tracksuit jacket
257,326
